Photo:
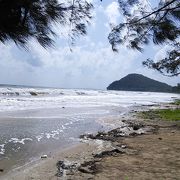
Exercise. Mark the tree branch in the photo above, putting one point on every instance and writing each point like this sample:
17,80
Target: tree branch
156,10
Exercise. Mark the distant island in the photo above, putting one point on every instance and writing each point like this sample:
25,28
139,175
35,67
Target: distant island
138,82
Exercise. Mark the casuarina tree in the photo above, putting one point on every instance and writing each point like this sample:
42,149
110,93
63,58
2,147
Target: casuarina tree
143,24
21,20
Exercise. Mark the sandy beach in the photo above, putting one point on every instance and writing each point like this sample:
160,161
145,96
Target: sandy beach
149,150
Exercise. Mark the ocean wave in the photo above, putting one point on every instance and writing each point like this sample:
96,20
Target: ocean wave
5,91
12,99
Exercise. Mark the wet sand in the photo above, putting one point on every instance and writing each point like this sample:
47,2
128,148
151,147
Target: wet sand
46,168
24,139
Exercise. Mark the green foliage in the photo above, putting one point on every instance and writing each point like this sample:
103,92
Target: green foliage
163,114
126,178
141,26
159,25
176,102
21,20
170,65
176,89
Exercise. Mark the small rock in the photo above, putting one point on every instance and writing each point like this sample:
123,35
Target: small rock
44,156
1,170
135,127
33,93
113,152
160,138
133,134
123,146
85,170
17,93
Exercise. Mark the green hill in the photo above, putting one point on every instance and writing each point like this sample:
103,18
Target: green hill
138,82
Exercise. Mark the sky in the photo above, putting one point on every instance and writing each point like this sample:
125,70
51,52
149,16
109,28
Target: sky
91,63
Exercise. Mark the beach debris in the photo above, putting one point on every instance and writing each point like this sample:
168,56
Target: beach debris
106,136
115,149
112,152
44,156
65,168
89,167
129,129
135,126
59,165
87,136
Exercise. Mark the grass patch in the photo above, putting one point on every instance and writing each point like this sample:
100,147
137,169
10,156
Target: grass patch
163,114
176,102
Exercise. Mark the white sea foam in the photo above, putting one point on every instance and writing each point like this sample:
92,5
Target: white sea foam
53,134
39,137
21,141
12,99
2,149
63,127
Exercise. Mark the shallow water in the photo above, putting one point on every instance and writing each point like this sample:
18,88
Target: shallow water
53,119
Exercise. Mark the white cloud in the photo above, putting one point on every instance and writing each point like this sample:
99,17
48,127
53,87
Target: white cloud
112,12
93,67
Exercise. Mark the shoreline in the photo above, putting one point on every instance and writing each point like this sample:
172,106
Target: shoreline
107,150
23,171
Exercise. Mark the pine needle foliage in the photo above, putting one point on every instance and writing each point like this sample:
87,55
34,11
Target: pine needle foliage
143,24
22,20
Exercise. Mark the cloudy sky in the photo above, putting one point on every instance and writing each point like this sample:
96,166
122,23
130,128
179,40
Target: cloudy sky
91,64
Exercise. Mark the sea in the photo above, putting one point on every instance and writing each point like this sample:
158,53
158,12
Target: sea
37,121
